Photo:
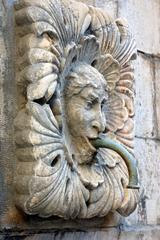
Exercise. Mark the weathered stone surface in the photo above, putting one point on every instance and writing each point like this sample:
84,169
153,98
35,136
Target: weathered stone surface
143,17
144,115
110,6
83,90
88,2
7,106
157,96
96,235
140,233
148,211
111,234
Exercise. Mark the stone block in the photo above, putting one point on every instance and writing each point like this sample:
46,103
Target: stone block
144,109
97,235
110,6
147,153
151,209
7,106
89,2
109,234
157,96
143,18
141,233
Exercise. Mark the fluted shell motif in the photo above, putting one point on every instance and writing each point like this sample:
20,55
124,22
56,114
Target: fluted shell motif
58,172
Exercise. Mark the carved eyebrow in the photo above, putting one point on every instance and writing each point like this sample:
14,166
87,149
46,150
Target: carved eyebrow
91,97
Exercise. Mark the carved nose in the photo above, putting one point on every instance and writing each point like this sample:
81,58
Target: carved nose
96,126
99,124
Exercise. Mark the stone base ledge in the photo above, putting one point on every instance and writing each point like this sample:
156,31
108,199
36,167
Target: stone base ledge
121,233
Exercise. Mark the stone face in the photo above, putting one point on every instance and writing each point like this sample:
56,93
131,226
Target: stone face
143,17
75,85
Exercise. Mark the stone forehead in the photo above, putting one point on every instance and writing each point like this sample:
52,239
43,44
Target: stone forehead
88,75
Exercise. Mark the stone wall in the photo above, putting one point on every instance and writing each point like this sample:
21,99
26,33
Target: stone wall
144,20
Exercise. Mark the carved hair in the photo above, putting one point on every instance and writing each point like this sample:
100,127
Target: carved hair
81,76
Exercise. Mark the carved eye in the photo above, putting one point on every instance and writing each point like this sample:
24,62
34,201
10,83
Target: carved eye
92,103
89,105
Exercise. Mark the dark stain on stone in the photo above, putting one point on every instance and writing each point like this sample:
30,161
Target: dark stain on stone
14,238
142,214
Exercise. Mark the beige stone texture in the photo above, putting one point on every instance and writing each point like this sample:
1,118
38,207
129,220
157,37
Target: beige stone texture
140,233
143,18
148,211
148,152
144,111
157,96
66,158
143,224
110,6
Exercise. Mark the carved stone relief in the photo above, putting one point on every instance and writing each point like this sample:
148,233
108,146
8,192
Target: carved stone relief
74,128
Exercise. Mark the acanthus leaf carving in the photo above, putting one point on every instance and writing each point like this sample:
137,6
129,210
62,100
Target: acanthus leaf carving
75,84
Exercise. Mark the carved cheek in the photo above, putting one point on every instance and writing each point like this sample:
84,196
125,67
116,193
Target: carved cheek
90,118
72,110
76,117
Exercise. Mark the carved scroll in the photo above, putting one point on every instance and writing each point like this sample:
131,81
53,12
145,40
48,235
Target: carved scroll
75,83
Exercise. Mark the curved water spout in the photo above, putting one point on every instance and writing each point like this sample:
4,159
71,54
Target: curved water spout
122,151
